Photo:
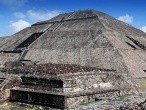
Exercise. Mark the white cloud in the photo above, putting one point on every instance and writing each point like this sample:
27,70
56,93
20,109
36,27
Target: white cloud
19,25
19,15
41,15
13,3
143,29
126,18
26,19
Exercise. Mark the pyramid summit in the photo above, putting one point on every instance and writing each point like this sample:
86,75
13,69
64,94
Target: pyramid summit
71,48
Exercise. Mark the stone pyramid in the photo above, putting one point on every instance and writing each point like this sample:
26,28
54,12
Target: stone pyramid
87,38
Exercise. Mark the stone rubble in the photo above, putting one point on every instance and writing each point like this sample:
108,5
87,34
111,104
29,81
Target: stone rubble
130,103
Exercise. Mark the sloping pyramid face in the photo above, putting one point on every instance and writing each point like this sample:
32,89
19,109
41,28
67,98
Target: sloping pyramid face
88,38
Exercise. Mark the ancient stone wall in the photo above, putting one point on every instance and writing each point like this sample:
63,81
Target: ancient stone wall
95,80
3,40
86,24
4,95
72,40
86,99
22,35
100,58
5,58
6,85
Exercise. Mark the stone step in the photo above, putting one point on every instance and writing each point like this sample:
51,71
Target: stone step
30,96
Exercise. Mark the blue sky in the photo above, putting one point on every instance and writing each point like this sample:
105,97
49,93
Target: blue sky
18,14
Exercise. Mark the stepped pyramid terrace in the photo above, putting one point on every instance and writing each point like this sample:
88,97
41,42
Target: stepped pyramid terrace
72,59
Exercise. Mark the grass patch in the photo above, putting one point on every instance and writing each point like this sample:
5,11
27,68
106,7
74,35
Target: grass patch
85,103
123,96
17,106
